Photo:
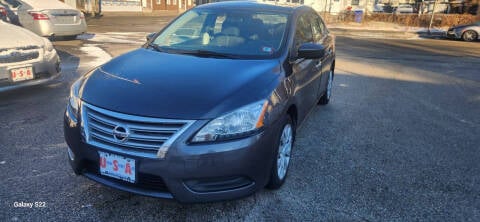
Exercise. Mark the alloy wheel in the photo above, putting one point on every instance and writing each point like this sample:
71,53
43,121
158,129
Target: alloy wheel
284,151
469,36
329,84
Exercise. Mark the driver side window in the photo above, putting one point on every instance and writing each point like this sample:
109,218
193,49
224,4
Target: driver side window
317,28
303,32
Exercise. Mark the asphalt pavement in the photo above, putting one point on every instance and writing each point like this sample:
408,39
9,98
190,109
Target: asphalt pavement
399,141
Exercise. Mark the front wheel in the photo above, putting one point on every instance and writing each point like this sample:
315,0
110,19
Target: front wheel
283,152
328,93
469,36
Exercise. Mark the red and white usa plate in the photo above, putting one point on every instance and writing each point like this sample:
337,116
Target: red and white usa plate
117,166
21,74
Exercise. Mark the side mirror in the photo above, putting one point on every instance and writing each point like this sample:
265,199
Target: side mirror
150,36
311,51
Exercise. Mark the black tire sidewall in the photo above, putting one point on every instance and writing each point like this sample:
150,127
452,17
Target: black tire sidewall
275,182
324,100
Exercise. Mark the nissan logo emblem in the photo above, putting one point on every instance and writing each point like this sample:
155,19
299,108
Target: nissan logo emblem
121,133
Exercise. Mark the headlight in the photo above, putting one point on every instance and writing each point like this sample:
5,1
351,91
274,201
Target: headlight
74,101
48,45
241,122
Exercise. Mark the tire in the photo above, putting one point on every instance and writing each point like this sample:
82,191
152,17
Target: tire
68,38
283,150
328,93
469,36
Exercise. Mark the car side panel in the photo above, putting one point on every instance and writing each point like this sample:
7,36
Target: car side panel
305,75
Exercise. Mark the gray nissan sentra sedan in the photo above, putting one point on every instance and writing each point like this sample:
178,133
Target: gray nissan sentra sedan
208,108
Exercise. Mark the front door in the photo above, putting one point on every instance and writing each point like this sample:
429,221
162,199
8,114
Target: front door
305,71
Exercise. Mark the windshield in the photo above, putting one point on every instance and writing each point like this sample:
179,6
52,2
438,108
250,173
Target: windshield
241,33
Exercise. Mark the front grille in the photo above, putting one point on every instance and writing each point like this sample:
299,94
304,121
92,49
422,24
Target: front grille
18,55
129,134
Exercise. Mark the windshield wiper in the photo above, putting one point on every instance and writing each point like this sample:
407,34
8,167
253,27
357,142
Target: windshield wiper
156,47
206,53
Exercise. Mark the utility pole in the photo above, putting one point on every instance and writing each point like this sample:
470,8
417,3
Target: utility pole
433,15
325,9
330,7
420,9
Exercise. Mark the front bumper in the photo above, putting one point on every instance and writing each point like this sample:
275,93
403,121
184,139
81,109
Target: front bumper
188,173
45,69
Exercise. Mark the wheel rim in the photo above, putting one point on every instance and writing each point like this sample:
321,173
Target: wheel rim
329,85
469,36
284,150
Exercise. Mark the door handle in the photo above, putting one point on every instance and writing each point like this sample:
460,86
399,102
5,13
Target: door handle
318,65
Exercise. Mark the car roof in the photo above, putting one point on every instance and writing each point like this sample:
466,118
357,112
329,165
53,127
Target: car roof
255,6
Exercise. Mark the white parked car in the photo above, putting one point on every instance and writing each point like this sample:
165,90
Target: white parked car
378,8
51,18
25,58
404,9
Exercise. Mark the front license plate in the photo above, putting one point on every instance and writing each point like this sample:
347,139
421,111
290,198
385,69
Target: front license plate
117,166
21,74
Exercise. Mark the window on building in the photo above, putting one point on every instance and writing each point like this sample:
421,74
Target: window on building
159,2
355,2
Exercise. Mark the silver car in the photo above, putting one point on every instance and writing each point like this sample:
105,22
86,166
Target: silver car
51,18
468,33
401,9
25,58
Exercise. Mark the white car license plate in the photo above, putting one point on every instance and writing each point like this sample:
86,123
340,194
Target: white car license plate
21,74
117,166
65,19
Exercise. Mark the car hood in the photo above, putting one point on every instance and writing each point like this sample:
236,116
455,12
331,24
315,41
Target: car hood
149,83
17,37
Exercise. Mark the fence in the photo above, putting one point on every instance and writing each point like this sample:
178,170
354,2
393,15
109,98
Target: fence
412,20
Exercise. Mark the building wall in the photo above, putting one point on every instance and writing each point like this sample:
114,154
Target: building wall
172,5
122,5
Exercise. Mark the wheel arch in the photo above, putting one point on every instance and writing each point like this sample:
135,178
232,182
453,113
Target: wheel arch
293,113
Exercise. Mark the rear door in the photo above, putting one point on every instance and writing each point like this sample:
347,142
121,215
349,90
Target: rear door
319,38
324,38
